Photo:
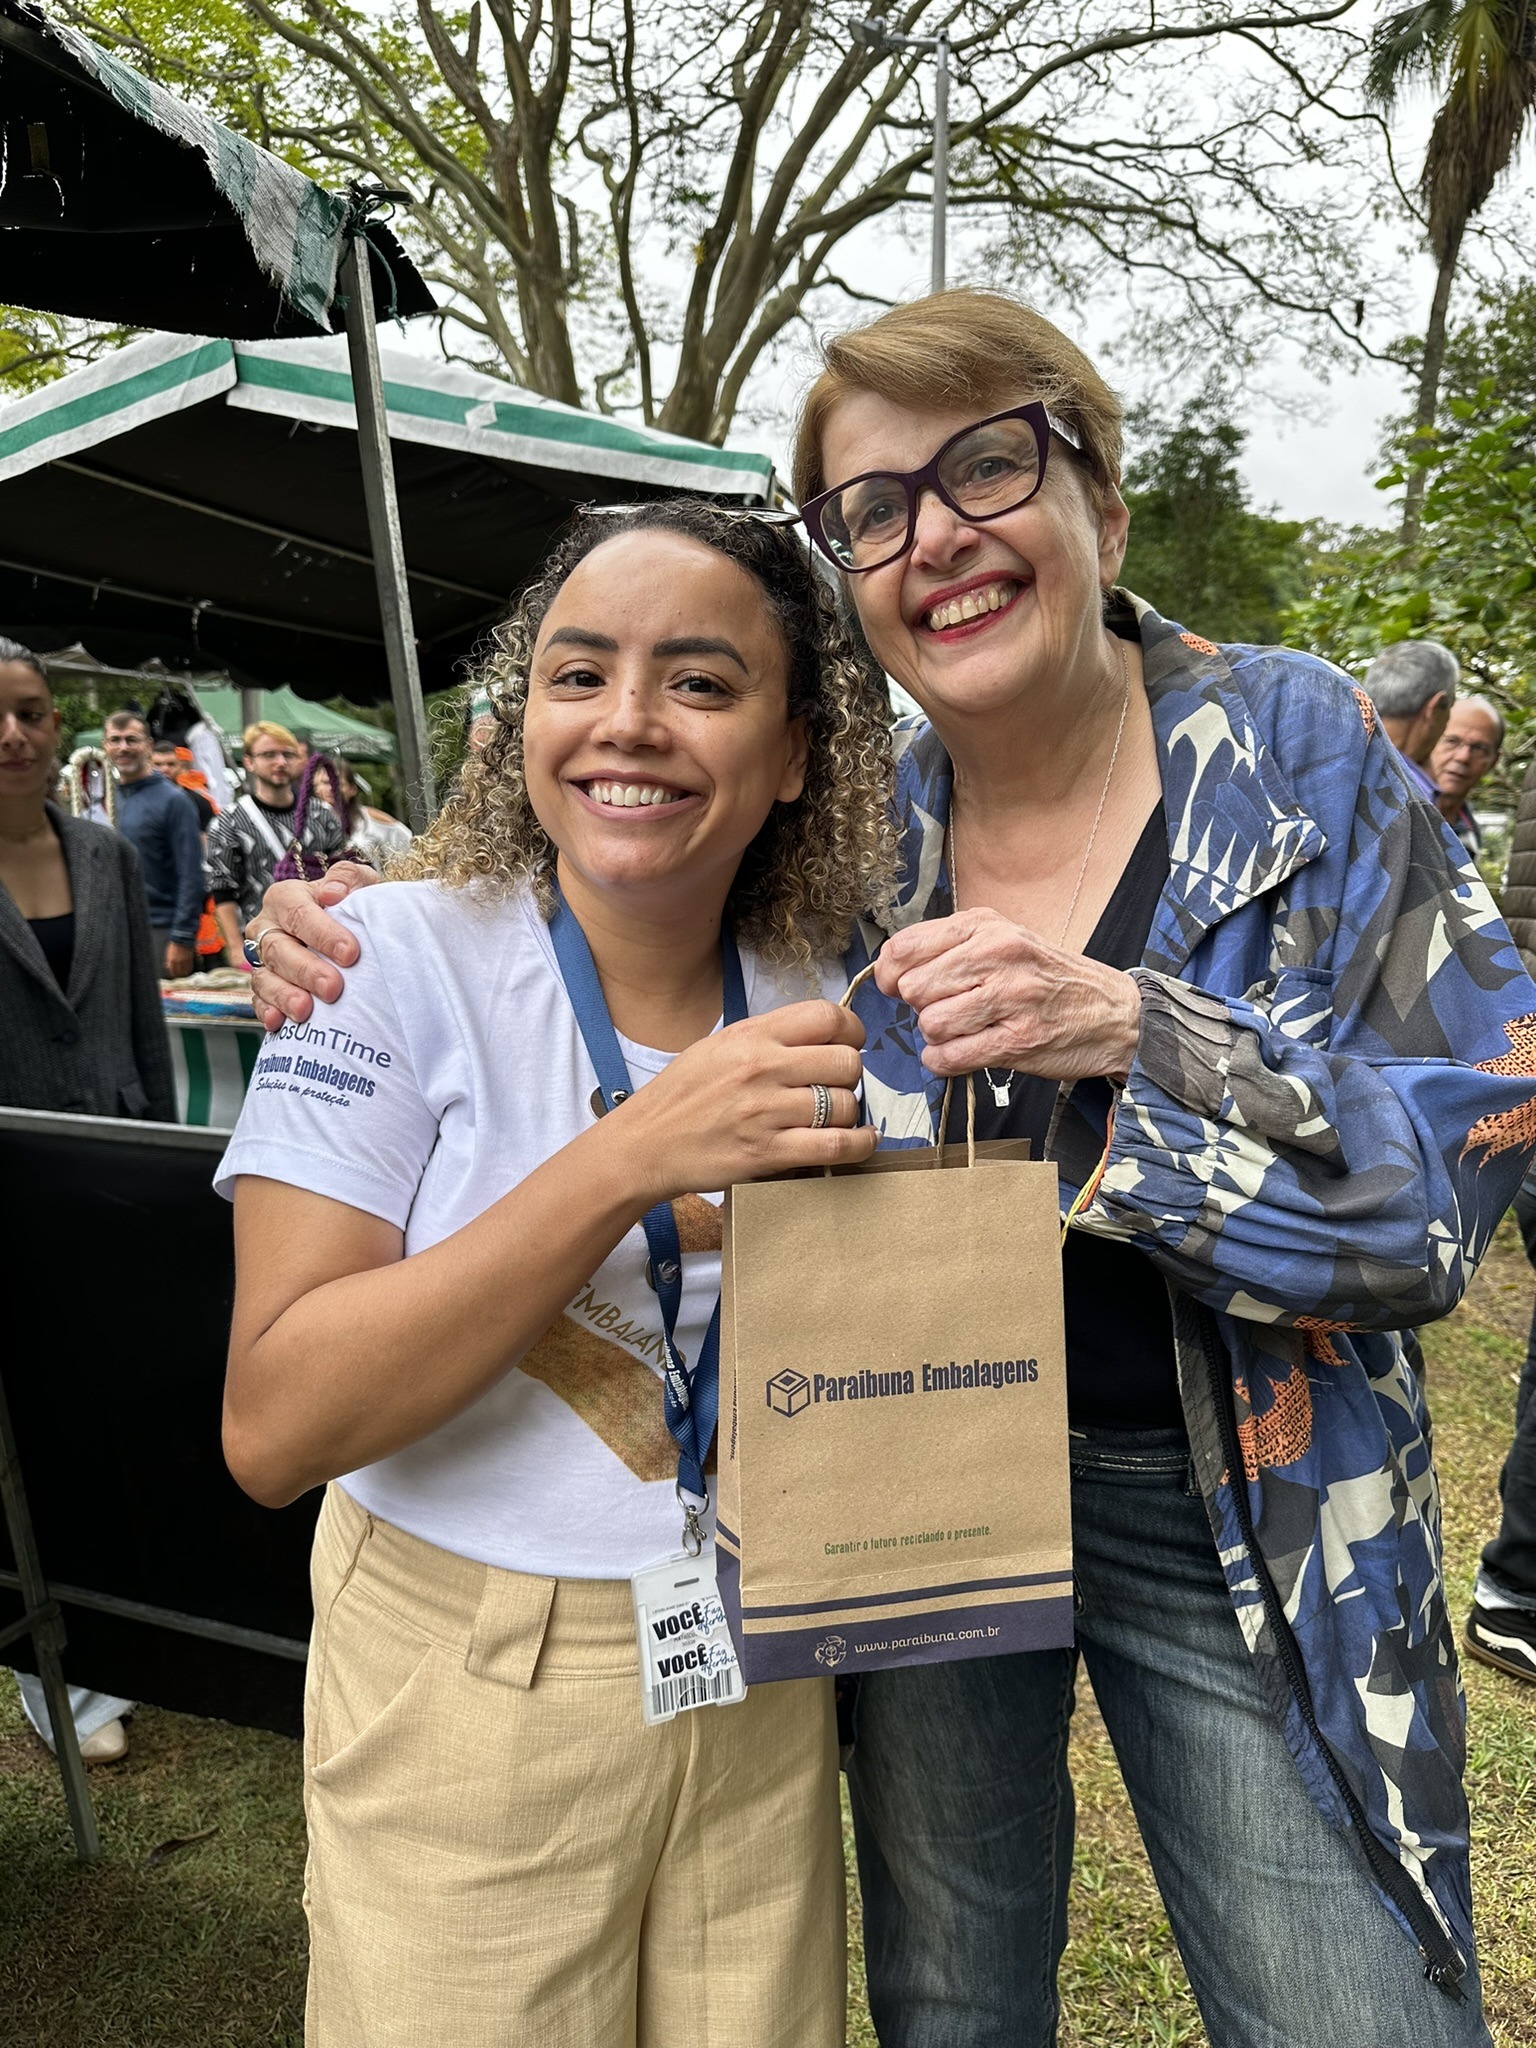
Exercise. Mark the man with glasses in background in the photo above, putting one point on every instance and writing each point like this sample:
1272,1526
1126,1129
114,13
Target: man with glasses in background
1466,751
246,842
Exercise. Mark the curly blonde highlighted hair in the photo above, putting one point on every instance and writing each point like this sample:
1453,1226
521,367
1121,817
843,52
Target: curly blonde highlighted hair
817,864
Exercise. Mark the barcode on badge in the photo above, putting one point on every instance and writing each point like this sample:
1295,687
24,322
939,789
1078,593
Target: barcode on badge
694,1689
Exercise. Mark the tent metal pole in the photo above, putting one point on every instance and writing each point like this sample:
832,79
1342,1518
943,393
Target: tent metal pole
384,537
42,1620
168,1617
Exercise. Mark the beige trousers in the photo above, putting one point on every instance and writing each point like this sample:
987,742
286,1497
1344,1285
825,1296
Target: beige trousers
503,1855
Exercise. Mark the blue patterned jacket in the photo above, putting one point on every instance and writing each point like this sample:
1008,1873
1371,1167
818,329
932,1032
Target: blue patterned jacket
1331,1107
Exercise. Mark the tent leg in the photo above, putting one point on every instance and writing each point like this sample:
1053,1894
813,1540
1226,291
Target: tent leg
384,537
46,1626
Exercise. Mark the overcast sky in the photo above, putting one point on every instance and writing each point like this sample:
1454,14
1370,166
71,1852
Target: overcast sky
1312,445
1310,455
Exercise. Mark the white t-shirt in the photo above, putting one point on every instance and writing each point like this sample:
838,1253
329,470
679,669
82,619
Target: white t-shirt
451,1068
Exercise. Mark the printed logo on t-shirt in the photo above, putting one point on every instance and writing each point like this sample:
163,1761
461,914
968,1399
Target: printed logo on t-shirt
603,1357
324,1062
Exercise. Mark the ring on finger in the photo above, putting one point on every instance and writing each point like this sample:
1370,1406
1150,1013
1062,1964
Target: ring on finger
821,1114
251,948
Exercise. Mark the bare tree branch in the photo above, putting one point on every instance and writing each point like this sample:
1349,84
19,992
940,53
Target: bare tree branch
602,188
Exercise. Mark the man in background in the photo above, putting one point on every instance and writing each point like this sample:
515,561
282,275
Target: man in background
175,764
1412,683
161,822
246,842
1467,750
179,765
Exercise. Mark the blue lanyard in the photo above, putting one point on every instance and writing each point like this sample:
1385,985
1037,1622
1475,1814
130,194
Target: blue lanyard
690,1399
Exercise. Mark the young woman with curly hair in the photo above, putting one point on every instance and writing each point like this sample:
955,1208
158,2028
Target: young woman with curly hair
446,1310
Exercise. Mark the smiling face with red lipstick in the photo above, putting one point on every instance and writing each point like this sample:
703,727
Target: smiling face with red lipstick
958,459
982,613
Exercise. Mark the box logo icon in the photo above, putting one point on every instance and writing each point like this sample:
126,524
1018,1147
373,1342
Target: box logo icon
788,1392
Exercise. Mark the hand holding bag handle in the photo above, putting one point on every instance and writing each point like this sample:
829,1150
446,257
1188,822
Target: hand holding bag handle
1084,1194
845,1002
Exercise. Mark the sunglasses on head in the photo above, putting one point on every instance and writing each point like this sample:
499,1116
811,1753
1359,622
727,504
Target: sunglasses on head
761,515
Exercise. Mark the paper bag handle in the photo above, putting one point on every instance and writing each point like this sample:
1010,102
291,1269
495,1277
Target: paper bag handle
970,1088
1085,1193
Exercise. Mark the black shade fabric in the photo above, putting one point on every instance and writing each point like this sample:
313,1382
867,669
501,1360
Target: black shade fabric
122,1277
89,553
105,217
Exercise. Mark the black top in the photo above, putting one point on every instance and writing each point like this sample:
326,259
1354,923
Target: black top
206,811
101,1049
1121,1372
56,936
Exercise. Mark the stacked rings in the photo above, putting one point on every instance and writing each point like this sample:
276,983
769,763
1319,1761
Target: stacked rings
821,1115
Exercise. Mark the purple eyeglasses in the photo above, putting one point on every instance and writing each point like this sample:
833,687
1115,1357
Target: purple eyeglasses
985,470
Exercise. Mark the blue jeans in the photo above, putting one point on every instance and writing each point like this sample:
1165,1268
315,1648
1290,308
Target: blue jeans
964,1815
1509,1562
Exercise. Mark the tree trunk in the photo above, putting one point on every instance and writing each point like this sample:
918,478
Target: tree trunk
541,304
690,404
1429,378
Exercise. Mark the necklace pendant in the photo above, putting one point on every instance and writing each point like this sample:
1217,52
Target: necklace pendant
1002,1091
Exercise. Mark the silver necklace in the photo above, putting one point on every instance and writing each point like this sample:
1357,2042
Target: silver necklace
1002,1085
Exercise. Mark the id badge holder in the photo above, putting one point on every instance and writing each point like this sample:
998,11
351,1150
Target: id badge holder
687,1658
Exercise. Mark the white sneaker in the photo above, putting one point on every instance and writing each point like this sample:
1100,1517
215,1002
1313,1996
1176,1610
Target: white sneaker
109,1744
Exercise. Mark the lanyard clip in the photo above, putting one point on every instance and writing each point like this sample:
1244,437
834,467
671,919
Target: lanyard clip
693,1528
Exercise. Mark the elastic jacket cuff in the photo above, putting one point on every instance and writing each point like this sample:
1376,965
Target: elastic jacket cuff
1186,1044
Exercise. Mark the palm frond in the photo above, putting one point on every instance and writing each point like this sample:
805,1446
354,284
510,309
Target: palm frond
1407,44
1485,39
1473,140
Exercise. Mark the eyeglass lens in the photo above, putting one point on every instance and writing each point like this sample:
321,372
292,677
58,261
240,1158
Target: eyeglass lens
986,471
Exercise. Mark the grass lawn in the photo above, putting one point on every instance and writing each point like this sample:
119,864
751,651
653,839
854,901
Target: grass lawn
203,1947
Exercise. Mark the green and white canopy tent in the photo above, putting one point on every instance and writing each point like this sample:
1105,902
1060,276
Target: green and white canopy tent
199,500
120,202
224,708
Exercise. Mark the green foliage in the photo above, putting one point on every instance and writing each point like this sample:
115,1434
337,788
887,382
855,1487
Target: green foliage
1471,579
1198,550
37,347
1500,342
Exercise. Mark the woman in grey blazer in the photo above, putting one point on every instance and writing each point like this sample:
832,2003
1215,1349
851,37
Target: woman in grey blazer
80,1021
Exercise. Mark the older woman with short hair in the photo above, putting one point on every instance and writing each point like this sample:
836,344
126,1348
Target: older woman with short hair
1180,908
1177,908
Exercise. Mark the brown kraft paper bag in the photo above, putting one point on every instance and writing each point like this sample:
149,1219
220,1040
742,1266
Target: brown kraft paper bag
893,1418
